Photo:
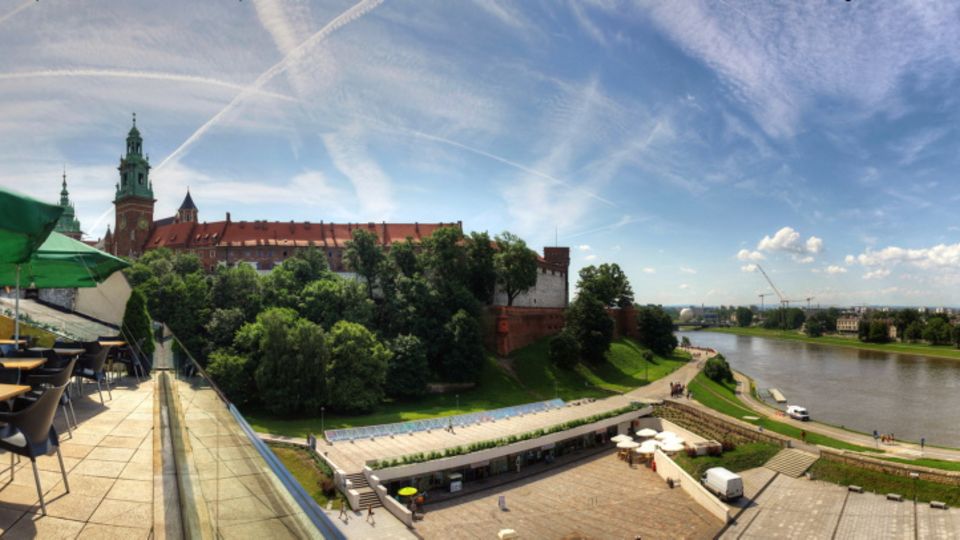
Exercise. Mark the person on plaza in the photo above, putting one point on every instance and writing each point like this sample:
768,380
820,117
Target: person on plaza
343,510
923,443
370,518
803,435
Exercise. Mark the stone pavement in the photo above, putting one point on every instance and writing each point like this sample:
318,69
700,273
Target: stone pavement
600,497
800,508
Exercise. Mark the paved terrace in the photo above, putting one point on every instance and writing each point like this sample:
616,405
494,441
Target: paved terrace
352,456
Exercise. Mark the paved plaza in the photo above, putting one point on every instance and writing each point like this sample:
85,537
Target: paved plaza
600,497
800,508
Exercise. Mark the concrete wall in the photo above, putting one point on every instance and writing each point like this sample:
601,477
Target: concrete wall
106,301
65,298
666,468
940,476
715,426
465,460
549,292
660,424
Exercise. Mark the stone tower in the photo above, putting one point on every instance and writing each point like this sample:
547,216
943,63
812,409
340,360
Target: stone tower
134,199
188,211
68,224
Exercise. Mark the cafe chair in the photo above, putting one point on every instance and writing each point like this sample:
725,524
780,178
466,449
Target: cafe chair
91,367
51,378
30,433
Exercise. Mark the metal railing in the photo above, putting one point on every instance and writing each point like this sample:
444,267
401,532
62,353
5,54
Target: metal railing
229,481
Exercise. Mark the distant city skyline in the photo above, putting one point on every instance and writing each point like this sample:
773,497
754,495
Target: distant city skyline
685,141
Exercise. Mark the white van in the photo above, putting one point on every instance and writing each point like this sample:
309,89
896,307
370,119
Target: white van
723,483
798,413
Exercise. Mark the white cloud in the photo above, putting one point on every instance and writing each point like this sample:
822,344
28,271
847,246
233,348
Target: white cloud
584,247
747,255
787,239
649,270
849,259
687,270
938,256
684,286
834,269
804,260
879,273
591,257
748,268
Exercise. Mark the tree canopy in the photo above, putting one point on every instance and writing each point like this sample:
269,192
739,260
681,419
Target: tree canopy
515,265
655,330
607,283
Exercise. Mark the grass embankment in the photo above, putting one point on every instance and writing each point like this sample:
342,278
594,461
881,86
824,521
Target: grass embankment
879,482
741,458
536,379
308,472
921,349
722,398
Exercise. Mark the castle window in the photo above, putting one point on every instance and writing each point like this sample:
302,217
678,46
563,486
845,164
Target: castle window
140,178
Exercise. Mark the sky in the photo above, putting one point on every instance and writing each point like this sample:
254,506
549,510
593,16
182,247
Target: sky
686,141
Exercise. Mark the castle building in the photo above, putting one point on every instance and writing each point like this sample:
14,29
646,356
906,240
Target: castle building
265,244
68,224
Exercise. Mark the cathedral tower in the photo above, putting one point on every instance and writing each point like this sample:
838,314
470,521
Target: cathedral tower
134,199
68,223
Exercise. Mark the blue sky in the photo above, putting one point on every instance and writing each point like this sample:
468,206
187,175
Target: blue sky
686,141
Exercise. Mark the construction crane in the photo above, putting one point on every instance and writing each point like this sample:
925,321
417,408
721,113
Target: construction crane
762,296
808,299
784,303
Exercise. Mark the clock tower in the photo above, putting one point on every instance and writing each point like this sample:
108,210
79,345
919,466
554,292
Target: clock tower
134,199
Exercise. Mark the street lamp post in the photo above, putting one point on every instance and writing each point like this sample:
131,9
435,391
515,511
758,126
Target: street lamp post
915,476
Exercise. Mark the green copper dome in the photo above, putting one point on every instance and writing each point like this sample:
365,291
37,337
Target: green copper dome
134,169
68,223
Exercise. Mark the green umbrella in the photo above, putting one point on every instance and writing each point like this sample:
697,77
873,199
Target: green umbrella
60,262
24,224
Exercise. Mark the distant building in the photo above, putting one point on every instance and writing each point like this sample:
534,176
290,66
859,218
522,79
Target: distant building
847,324
68,224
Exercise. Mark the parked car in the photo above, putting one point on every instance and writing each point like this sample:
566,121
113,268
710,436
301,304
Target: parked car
798,413
724,484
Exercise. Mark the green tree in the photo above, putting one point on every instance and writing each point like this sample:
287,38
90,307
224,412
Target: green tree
956,335
515,265
606,283
876,331
444,258
408,370
591,325
813,328
136,324
717,369
904,318
223,325
232,374
335,299
938,331
463,355
357,369
685,341
283,285
655,330
404,257
565,350
237,287
291,358
744,316
365,256
913,332
482,273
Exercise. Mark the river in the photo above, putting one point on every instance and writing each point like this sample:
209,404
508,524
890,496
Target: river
909,396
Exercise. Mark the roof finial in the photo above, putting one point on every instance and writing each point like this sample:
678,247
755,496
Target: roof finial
134,119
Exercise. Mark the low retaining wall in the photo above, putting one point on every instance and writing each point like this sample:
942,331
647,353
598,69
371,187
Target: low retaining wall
392,505
716,427
951,478
666,468
661,424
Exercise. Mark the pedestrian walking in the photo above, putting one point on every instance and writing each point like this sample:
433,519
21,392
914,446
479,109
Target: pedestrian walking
803,435
343,510
370,515
923,442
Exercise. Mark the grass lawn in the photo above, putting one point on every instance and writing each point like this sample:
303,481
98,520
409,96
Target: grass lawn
878,482
922,349
925,462
536,380
721,398
300,463
741,458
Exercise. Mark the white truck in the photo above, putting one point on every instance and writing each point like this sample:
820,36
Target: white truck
798,413
723,483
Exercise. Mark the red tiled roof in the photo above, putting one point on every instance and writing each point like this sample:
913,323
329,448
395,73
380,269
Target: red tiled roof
284,234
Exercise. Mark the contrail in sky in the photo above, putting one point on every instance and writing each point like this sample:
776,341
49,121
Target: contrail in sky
358,10
16,10
139,75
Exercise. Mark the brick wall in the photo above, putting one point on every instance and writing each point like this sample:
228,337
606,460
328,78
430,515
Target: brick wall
624,322
510,328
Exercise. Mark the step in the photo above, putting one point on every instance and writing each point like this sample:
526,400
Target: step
791,462
358,480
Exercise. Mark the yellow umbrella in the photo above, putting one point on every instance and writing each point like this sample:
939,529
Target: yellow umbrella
407,492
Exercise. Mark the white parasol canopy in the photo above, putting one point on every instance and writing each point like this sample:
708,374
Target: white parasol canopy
628,444
646,433
663,435
621,438
672,446
646,450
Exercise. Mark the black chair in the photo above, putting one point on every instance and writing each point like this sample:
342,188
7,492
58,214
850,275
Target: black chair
91,367
50,378
30,432
130,356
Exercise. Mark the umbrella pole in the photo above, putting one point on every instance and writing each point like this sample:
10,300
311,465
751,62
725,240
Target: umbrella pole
16,310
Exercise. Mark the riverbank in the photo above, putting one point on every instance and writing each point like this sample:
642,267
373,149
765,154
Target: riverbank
920,349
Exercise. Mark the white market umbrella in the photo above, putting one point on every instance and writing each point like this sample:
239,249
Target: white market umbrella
672,446
621,438
646,450
646,433
628,444
664,435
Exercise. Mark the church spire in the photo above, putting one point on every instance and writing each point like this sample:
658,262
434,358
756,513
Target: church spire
68,223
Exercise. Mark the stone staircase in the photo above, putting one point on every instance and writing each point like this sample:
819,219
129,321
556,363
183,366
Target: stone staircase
791,462
368,497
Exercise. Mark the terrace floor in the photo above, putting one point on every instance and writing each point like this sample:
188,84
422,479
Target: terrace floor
110,467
